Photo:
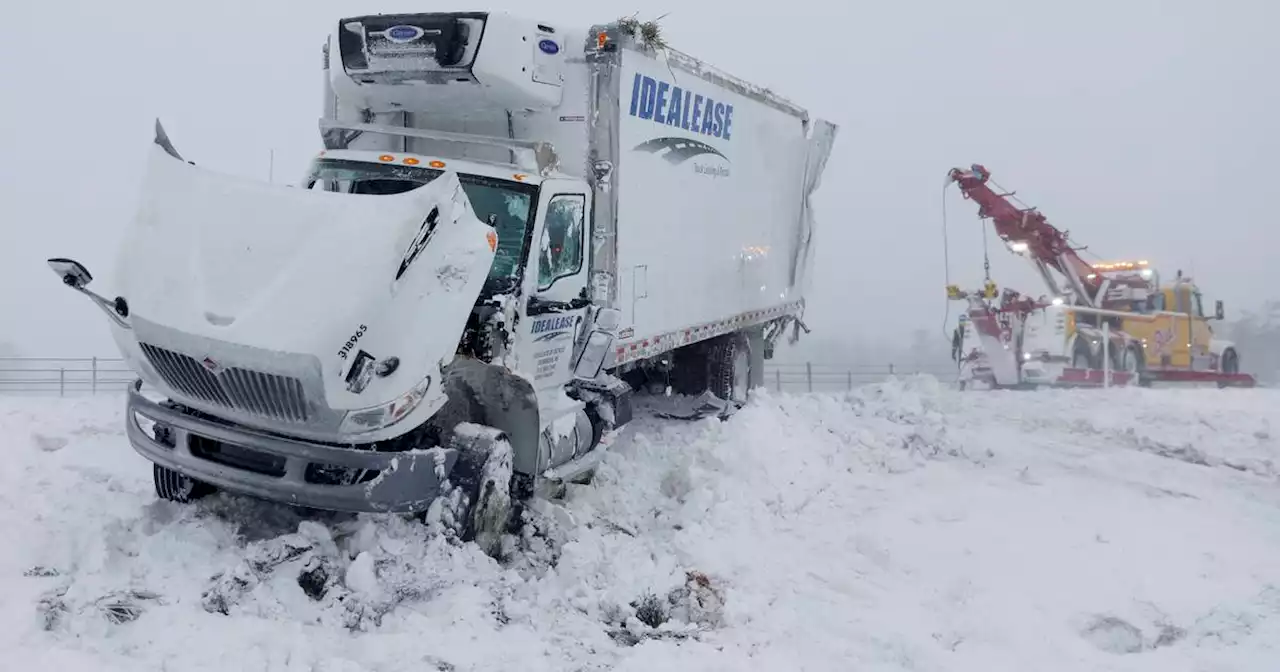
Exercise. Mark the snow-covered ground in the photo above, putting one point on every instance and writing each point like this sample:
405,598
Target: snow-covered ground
897,527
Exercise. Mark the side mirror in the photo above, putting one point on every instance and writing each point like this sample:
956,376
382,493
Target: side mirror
594,352
1219,312
77,277
72,272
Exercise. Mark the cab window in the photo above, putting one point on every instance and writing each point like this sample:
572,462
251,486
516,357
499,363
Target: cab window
562,250
1183,297
506,206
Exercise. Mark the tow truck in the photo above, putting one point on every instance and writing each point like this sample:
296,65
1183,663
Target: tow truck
1100,324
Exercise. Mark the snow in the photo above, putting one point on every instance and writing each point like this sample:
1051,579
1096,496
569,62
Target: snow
900,526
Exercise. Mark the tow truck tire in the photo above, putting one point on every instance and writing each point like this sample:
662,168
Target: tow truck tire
177,487
1081,356
1133,362
1230,365
1230,361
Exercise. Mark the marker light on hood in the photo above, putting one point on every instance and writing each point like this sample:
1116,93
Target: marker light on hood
377,417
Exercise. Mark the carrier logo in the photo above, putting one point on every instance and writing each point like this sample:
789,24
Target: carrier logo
670,105
403,34
549,47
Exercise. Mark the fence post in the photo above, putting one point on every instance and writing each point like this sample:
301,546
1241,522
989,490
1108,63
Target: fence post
777,379
891,368
808,374
62,382
849,378
1106,353
93,383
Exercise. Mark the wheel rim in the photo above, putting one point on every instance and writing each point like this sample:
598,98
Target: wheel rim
741,374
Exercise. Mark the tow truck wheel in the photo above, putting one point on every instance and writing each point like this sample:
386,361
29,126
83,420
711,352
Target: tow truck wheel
1081,357
1132,363
1230,365
177,487
1230,362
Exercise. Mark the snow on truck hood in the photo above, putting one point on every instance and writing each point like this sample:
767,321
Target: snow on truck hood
298,271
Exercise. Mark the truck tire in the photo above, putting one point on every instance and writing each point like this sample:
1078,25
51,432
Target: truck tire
1230,361
1135,363
1230,365
483,472
1081,356
729,367
177,487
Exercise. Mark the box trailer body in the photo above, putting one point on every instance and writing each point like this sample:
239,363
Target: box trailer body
708,178
508,219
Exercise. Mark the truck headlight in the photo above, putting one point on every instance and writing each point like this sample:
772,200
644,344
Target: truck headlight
154,430
377,417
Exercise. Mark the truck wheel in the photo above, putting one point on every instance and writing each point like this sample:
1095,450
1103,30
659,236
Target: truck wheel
730,368
1230,365
1230,362
1132,362
483,473
177,487
1081,356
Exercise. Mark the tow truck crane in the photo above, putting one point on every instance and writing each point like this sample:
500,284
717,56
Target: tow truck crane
1105,323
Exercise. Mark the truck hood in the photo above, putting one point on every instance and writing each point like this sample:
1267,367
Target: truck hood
235,265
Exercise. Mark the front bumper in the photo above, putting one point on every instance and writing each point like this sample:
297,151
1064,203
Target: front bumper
291,471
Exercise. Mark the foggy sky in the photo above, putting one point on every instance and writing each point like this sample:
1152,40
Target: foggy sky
1148,129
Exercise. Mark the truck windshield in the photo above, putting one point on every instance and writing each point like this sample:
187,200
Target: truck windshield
508,206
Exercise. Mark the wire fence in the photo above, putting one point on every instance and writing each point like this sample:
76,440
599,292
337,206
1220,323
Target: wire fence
63,377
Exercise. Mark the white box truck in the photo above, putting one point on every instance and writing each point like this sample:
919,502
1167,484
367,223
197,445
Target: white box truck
512,224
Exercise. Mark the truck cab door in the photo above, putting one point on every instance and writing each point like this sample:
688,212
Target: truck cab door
1182,328
556,284
1201,335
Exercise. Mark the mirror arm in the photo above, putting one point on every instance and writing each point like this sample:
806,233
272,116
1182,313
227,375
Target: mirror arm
117,310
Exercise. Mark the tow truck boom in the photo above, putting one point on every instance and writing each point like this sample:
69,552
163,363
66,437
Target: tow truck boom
1028,229
1113,323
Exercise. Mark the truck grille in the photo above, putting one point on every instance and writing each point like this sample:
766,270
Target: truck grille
266,394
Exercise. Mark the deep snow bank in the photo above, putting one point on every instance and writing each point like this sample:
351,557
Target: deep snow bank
896,527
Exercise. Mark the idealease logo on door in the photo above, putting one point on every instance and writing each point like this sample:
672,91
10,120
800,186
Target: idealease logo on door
663,103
